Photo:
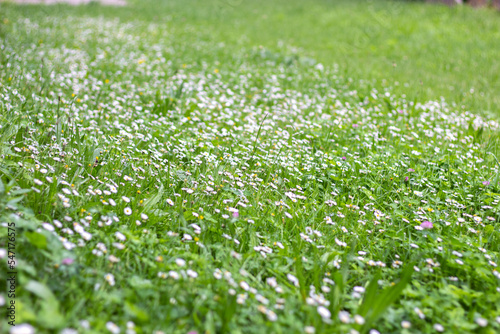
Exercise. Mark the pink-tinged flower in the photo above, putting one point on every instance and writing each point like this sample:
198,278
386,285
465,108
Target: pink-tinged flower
426,224
486,183
67,261
355,125
344,158
406,179
236,214
192,332
411,170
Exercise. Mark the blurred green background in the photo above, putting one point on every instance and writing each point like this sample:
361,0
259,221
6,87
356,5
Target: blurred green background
426,51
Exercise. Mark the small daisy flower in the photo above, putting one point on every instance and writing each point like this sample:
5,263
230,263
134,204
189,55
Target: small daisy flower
110,279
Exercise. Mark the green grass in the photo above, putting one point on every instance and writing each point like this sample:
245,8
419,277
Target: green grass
429,51
246,167
426,52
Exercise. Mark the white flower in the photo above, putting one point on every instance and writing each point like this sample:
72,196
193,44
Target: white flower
170,202
309,330
86,235
405,324
272,282
324,312
344,317
359,289
85,324
192,273
175,275
482,322
69,331
110,279
180,262
293,279
22,329
271,315
120,236
144,216
438,327
48,227
340,243
113,259
127,211
114,329
218,273
359,319
236,255
244,285
119,245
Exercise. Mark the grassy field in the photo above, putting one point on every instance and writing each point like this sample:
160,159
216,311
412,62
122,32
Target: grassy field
425,52
250,167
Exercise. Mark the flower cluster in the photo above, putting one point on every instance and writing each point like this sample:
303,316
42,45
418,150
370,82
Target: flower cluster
255,191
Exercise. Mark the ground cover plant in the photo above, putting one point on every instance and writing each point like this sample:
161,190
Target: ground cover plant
165,178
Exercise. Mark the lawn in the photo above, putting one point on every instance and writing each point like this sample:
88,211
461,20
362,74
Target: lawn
249,167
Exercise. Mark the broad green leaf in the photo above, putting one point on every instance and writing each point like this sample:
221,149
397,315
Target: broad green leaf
36,239
155,199
39,289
